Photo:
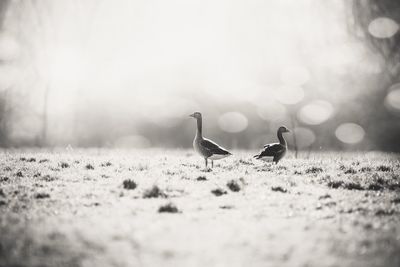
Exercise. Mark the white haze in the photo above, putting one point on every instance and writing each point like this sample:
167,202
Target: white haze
122,63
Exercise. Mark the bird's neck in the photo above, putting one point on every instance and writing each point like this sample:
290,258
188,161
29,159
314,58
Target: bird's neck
282,140
199,131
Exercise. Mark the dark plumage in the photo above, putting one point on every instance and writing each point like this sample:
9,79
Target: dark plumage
205,147
275,150
212,149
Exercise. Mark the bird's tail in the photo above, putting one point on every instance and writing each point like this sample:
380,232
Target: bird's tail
256,156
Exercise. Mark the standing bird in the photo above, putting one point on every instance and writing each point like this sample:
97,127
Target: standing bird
205,147
275,150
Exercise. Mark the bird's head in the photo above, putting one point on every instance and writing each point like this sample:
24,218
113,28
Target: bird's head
196,115
283,129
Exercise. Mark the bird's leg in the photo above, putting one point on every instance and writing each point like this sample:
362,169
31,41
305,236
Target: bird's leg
212,164
206,162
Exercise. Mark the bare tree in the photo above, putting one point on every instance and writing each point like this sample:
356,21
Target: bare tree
3,8
384,125
364,11
4,108
38,32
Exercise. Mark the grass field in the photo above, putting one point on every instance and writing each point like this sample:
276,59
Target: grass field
161,208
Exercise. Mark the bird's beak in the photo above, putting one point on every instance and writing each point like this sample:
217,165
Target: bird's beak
191,115
287,130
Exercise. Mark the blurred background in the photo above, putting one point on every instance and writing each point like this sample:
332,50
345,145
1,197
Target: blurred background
107,73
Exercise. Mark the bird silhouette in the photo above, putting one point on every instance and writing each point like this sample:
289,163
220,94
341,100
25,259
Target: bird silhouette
205,147
275,150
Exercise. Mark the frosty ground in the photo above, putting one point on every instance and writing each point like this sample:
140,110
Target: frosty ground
161,208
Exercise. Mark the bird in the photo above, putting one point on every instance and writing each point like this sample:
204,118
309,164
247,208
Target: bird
275,150
205,147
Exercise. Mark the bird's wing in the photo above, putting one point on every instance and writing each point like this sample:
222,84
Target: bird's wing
272,144
272,150
213,147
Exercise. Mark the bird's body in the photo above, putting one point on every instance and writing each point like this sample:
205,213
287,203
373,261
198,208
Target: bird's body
276,151
205,147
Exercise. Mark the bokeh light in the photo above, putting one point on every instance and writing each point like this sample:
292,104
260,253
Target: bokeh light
350,133
289,95
338,56
295,75
383,27
392,100
233,122
141,70
271,111
316,112
304,137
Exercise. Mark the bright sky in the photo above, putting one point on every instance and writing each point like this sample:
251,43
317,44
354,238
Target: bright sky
154,46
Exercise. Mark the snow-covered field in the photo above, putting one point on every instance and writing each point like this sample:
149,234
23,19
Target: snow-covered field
161,208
